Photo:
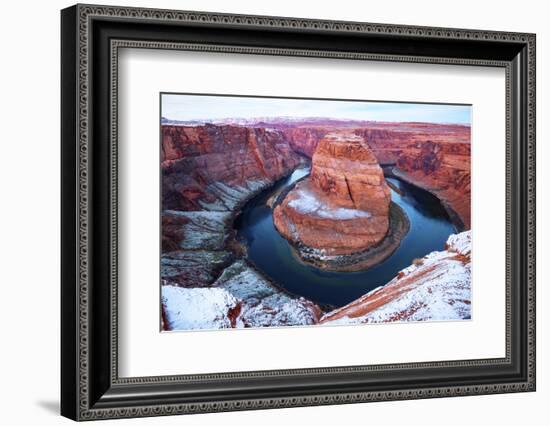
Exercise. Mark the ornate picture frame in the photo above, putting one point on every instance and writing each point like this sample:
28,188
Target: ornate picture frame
91,37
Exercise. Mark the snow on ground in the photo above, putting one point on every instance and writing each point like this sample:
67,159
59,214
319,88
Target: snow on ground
305,202
239,298
264,305
275,311
461,243
437,288
299,173
197,308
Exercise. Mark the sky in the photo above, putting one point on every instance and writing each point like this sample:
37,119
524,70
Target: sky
210,108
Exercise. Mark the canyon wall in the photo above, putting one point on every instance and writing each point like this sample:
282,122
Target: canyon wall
304,140
203,165
445,170
435,157
343,207
208,172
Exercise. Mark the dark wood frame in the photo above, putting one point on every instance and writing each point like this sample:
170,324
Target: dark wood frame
90,386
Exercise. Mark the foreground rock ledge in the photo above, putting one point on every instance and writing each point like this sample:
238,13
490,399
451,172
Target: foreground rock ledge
343,208
434,288
240,298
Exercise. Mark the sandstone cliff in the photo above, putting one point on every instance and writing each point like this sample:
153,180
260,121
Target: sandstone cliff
400,145
443,169
211,167
435,157
343,207
304,140
436,287
208,172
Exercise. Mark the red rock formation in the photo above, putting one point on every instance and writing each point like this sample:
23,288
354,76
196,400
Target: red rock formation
436,287
348,174
442,168
401,145
435,157
236,157
343,207
386,143
304,140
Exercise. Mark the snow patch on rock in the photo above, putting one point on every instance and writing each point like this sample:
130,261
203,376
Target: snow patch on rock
305,202
239,298
263,304
197,308
461,243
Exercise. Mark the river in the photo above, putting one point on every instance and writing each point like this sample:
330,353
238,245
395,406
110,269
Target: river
430,227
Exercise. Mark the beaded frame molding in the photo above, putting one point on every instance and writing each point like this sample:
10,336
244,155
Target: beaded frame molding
91,38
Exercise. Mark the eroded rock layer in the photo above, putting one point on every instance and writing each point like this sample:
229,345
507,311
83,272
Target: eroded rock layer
435,157
400,145
213,167
343,207
443,169
208,172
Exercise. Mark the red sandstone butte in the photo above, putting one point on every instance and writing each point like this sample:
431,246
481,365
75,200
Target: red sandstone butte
343,207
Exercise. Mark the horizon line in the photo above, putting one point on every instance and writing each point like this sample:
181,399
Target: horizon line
258,119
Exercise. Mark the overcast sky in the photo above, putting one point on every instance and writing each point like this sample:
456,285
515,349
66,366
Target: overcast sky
199,107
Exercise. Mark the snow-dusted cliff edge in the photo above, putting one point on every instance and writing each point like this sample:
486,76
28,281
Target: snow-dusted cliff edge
434,288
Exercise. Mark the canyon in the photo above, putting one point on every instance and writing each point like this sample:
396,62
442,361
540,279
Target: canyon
211,170
208,172
435,157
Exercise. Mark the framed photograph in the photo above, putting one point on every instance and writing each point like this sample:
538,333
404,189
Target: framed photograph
263,212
